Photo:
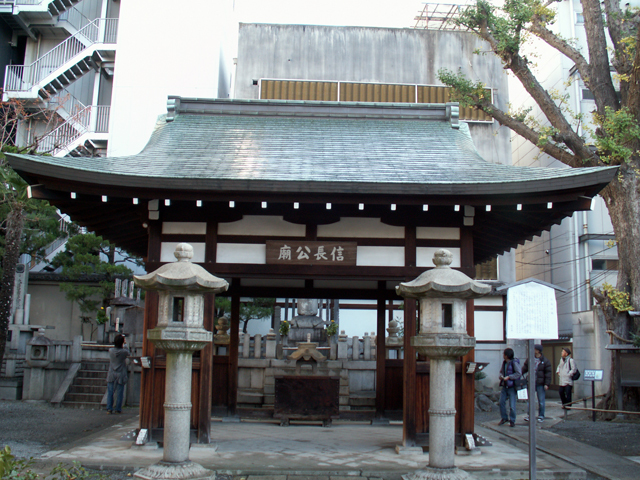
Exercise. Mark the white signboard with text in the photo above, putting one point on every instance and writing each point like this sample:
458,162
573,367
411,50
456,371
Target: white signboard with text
532,312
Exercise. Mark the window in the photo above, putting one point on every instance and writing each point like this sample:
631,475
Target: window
178,309
447,315
603,264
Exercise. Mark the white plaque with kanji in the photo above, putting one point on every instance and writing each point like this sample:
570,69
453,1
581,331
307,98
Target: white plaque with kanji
532,312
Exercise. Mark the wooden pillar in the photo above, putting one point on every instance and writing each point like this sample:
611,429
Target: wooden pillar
233,350
468,388
147,383
206,374
409,374
380,356
467,415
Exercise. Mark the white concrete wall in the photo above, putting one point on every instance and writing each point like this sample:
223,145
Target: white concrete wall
166,50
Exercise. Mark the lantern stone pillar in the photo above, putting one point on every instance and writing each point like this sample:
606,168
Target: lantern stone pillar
180,332
442,293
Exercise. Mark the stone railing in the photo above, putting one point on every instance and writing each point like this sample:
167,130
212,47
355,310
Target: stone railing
267,346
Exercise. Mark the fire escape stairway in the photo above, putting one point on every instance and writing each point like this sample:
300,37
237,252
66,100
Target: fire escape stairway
81,134
22,14
88,48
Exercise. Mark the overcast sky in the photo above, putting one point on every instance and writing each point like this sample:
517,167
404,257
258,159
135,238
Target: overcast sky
369,13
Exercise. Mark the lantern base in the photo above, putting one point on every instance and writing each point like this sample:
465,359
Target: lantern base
430,473
175,471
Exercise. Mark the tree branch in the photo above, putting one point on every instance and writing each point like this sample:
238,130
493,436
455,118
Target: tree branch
530,134
599,71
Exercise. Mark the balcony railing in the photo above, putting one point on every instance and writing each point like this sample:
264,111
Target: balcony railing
91,119
24,77
74,17
21,2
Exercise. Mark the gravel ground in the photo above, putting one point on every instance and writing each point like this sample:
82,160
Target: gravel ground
31,429
621,437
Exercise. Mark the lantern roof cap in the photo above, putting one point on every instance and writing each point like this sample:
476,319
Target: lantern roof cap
443,281
181,275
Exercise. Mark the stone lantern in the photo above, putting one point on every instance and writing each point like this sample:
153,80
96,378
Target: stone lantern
181,287
442,293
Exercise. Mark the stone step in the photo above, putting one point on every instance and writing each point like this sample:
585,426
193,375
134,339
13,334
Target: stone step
94,389
95,365
92,374
84,397
86,405
91,381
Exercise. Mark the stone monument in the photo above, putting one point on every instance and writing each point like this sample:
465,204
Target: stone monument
181,287
443,294
307,322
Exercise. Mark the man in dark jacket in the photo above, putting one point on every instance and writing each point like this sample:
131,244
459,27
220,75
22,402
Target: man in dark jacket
542,371
509,372
117,376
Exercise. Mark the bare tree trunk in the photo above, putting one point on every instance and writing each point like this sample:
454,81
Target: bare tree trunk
13,236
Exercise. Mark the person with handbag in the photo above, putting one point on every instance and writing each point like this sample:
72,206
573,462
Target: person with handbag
566,370
509,372
542,375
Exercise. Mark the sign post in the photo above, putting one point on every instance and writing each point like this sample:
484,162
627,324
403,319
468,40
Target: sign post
532,314
594,376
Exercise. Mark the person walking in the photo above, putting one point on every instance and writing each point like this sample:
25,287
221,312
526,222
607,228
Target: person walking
542,375
117,376
566,369
509,372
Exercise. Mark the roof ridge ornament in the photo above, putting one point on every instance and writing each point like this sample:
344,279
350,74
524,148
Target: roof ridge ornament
453,114
173,108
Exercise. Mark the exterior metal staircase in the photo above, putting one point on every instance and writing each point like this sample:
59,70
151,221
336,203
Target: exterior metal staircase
89,386
21,14
83,134
91,46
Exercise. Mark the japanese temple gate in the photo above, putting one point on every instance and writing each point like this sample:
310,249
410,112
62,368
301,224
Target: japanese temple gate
252,185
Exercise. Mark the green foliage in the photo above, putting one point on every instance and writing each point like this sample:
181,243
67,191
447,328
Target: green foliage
479,375
13,468
83,260
42,223
463,90
332,328
621,134
618,299
284,328
506,24
253,309
75,472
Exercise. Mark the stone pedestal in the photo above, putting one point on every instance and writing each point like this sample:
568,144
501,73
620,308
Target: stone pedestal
179,333
443,338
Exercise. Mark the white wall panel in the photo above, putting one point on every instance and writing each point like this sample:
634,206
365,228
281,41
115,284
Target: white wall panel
360,228
242,253
380,256
493,301
438,233
424,256
489,326
187,228
261,225
168,248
